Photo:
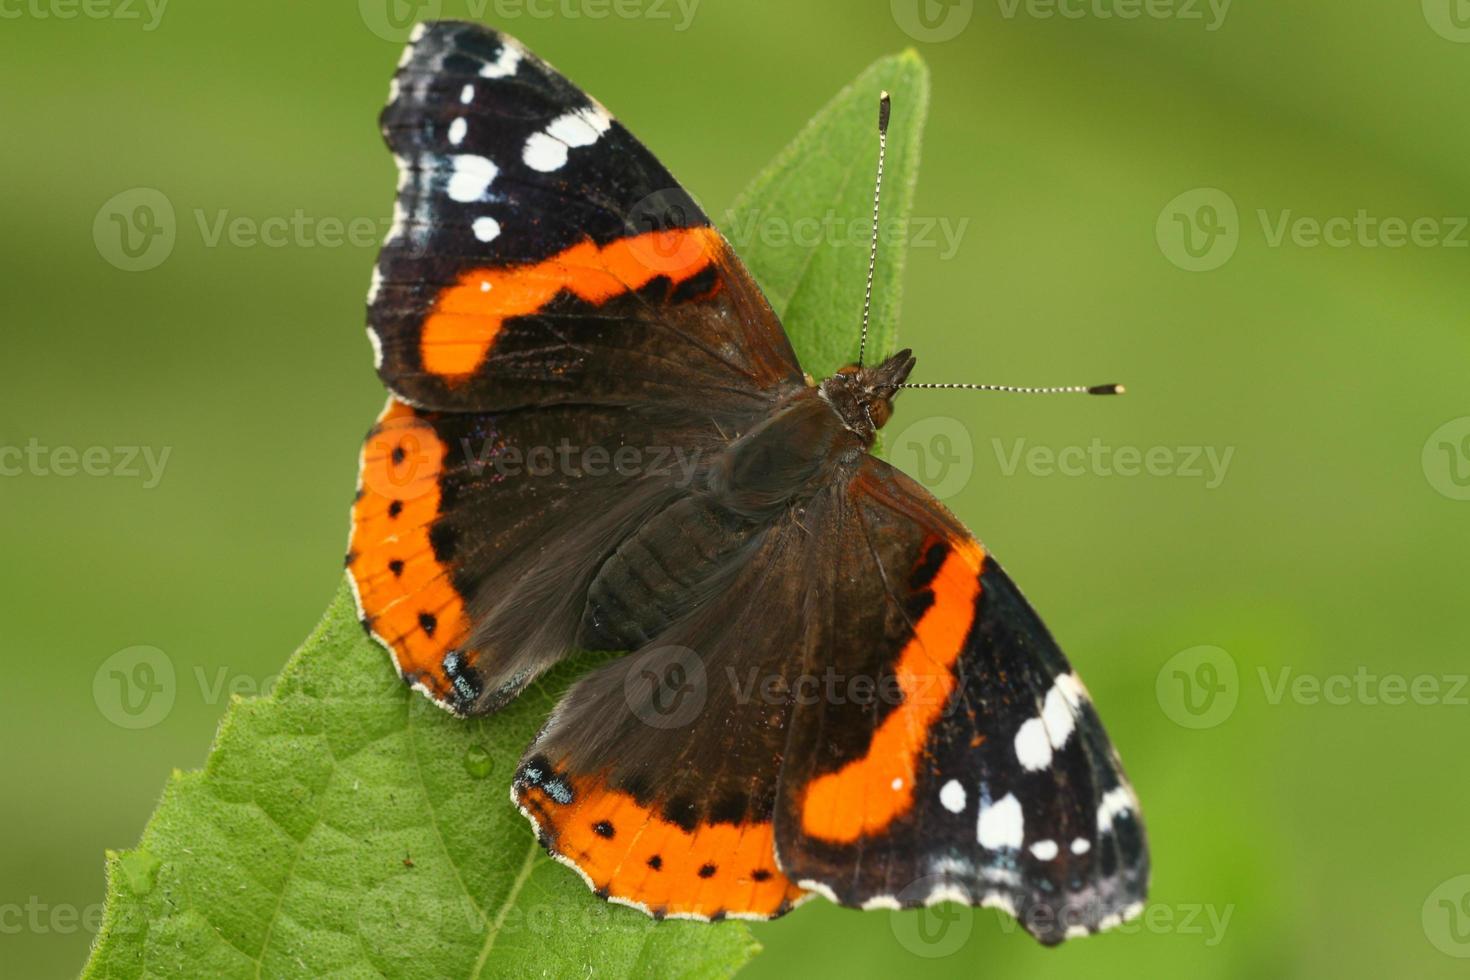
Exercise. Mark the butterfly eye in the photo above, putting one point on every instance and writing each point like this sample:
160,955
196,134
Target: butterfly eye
880,411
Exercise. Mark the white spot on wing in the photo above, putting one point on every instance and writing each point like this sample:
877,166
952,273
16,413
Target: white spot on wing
377,352
1033,748
457,130
897,784
467,94
823,890
1081,845
580,128
547,151
486,229
1044,850
1001,824
470,178
400,222
505,63
1117,800
1060,708
952,796
882,902
373,287
996,900
544,153
947,893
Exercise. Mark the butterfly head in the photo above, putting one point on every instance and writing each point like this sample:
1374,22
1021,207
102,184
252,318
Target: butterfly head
863,396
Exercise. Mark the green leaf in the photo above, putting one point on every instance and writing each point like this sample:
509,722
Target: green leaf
345,826
803,226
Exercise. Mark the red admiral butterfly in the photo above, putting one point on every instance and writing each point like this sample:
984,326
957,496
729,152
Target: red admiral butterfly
547,299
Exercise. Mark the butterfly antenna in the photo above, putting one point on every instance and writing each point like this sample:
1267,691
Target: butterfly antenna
884,106
1012,389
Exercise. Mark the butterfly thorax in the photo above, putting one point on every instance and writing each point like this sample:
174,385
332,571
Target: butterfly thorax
862,397
805,443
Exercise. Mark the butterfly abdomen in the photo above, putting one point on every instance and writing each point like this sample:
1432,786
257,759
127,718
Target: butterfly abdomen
663,571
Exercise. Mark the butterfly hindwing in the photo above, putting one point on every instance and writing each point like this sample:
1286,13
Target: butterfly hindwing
541,255
987,778
656,775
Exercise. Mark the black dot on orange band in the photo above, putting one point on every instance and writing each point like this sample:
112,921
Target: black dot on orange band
395,508
656,862
707,871
760,874
396,567
398,454
603,829
429,622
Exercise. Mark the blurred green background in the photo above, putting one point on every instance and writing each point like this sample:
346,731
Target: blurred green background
1277,643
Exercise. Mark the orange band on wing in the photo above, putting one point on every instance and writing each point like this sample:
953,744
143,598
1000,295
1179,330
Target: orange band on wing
467,316
629,852
867,794
406,596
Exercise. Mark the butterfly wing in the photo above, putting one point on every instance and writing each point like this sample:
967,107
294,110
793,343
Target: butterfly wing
564,335
979,772
541,255
656,775
876,703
